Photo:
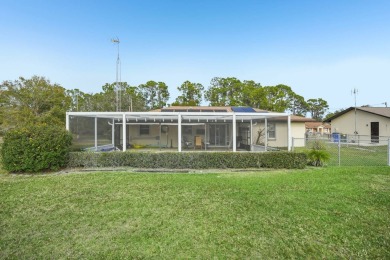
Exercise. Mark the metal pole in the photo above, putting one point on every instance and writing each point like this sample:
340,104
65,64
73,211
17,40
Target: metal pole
120,81
234,133
355,91
77,101
266,134
339,149
67,121
289,133
251,142
179,132
96,140
292,144
159,137
388,152
124,132
117,89
113,132
205,137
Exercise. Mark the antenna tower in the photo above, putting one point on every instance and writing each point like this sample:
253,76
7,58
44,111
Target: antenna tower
118,92
355,92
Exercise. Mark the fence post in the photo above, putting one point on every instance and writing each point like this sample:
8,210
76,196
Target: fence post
339,144
388,152
292,144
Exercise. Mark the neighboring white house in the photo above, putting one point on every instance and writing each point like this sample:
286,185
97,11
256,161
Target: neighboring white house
180,127
372,123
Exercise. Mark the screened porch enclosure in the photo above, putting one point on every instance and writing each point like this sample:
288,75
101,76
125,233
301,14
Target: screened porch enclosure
188,131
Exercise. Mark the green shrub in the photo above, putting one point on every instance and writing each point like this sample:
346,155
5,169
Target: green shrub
318,155
188,160
36,148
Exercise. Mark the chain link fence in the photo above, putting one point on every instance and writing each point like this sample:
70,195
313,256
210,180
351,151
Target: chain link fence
349,150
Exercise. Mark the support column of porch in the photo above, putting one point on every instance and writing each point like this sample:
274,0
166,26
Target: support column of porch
179,133
124,141
67,121
113,132
159,135
96,142
234,133
289,133
251,137
205,137
266,134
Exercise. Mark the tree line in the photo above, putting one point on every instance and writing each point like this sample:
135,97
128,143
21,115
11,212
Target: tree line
37,100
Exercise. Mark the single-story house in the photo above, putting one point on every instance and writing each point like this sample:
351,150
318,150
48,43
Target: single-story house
318,128
182,128
372,123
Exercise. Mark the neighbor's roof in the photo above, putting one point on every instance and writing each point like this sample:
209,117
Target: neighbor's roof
317,124
380,111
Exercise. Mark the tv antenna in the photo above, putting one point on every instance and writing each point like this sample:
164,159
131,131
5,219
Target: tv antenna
355,92
118,92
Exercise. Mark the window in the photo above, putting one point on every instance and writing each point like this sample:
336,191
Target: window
144,130
271,131
164,129
200,131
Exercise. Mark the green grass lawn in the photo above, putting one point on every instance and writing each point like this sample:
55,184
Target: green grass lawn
358,155
353,155
334,212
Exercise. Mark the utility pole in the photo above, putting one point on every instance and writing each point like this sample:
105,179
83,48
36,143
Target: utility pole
77,99
118,93
355,92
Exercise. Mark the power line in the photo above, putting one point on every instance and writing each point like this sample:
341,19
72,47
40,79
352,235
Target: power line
378,104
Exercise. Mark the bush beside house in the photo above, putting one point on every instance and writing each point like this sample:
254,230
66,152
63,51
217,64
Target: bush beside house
35,148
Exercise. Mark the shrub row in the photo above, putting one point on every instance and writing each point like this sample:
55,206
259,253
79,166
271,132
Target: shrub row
198,160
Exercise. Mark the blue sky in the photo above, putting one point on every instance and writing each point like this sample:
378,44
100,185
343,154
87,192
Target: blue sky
321,49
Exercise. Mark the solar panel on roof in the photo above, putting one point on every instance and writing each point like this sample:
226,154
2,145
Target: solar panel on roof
192,110
243,109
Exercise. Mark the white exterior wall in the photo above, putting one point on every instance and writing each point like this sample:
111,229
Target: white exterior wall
345,124
134,137
298,130
167,139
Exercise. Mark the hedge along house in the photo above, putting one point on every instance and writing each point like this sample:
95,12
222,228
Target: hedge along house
179,128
